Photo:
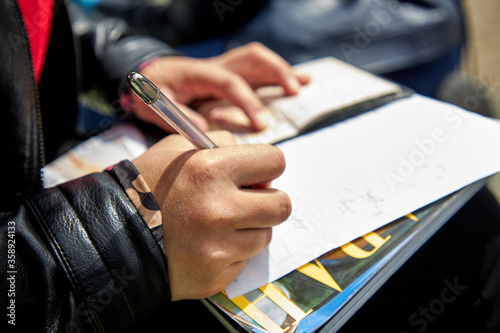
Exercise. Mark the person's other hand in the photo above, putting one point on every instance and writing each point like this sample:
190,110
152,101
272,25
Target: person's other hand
217,208
259,66
232,76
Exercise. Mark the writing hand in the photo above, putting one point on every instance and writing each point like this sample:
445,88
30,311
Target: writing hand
217,208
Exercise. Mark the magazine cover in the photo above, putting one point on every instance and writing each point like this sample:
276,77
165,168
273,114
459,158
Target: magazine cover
323,294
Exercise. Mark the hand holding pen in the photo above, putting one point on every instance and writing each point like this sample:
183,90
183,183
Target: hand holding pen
216,213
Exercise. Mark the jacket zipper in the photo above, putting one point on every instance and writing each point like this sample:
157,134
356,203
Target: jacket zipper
41,143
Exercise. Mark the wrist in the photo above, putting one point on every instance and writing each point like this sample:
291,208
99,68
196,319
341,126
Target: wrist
138,191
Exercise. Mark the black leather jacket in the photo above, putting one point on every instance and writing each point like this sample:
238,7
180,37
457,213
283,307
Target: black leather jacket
77,257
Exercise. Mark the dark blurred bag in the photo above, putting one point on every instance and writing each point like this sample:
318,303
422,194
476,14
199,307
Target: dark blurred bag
380,36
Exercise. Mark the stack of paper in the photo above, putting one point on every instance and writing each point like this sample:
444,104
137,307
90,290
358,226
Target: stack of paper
354,177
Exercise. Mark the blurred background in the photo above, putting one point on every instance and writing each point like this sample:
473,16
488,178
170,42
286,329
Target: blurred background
482,58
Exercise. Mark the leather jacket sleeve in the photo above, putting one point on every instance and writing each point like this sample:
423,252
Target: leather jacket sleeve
102,271
77,257
110,49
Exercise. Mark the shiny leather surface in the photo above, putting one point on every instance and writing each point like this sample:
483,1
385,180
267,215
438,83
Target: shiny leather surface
82,258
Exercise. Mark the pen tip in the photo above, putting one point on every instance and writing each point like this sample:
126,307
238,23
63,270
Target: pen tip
143,88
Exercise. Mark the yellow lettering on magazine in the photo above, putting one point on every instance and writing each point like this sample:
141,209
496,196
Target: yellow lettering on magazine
373,238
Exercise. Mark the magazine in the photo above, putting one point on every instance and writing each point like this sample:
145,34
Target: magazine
323,294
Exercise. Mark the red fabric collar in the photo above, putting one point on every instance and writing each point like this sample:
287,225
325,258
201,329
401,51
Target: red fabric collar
37,16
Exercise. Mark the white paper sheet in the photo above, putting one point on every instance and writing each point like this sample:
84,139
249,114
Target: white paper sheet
361,174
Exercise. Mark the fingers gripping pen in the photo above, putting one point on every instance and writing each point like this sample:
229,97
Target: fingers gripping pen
164,107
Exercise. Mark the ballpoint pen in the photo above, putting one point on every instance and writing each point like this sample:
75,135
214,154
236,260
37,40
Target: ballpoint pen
156,100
